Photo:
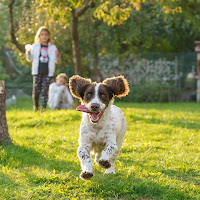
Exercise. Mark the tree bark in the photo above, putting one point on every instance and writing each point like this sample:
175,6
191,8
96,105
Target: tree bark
4,135
97,75
75,45
76,13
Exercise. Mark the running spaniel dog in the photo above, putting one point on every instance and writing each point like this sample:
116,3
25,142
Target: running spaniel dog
103,124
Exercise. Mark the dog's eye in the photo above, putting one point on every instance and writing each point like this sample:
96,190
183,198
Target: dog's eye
89,95
102,95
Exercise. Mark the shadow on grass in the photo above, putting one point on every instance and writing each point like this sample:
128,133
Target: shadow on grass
117,186
37,169
190,175
20,157
6,180
123,186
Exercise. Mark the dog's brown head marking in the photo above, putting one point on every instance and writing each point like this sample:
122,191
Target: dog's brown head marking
78,85
89,92
83,89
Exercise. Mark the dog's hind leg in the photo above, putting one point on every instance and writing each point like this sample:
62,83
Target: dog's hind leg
112,161
107,154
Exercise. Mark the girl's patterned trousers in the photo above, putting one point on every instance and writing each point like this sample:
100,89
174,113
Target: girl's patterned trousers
40,84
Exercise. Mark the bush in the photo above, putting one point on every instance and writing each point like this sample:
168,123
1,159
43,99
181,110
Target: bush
155,92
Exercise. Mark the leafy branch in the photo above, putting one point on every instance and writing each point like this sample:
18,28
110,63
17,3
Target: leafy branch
14,27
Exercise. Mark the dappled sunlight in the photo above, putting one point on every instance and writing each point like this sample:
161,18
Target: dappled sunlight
151,44
159,157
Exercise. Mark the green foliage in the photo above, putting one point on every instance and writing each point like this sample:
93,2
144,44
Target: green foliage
3,23
147,28
155,92
113,16
159,158
3,75
114,13
138,27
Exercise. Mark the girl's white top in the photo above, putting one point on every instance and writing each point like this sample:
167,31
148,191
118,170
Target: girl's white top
34,57
58,94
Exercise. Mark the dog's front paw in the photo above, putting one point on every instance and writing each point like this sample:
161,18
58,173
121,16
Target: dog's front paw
86,175
104,164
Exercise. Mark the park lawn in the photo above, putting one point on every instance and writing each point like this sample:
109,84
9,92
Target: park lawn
159,159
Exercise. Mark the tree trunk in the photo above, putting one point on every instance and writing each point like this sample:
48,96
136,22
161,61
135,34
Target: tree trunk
4,136
97,75
76,13
75,45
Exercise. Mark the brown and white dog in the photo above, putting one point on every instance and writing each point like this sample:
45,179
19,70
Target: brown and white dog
103,125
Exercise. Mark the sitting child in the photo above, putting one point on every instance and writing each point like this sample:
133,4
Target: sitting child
59,95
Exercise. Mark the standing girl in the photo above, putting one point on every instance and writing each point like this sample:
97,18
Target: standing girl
43,56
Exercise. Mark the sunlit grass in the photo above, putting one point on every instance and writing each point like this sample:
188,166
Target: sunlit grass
159,159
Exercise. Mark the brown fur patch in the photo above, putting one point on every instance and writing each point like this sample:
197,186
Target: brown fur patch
104,94
78,85
89,93
118,85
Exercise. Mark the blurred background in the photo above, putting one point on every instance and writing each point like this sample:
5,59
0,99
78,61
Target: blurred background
150,42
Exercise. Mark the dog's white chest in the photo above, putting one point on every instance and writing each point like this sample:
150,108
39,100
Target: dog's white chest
112,126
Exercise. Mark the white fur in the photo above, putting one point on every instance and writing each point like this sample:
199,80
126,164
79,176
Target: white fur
96,99
103,138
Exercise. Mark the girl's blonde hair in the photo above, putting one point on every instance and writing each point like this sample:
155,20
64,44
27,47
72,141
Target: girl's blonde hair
37,36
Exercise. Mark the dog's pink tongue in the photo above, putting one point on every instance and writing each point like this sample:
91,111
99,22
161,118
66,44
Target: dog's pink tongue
82,108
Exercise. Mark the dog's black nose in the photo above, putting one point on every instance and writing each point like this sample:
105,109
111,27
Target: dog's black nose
95,106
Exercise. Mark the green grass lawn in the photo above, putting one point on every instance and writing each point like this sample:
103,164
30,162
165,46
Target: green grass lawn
159,159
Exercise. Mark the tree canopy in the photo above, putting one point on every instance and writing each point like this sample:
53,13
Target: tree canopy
87,29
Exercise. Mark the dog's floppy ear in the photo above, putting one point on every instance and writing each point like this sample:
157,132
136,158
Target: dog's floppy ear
118,86
77,86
